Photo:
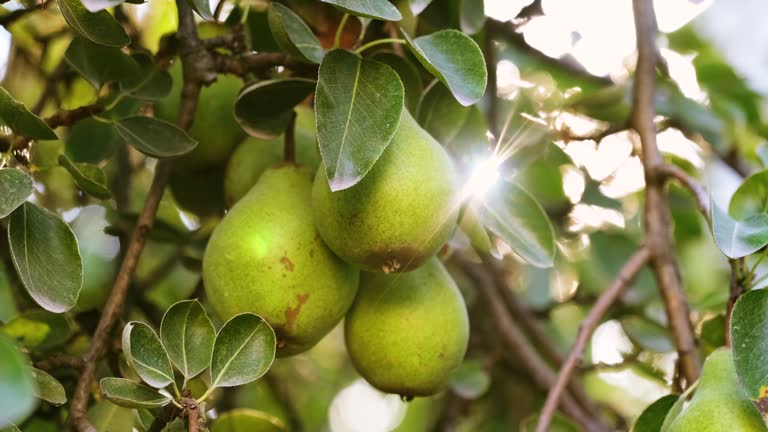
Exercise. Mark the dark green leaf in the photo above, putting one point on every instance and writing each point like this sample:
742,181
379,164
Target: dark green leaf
652,418
471,380
17,117
46,256
515,216
98,5
417,6
203,8
749,337
293,35
155,137
350,90
264,108
738,238
376,9
48,388
17,397
89,178
456,60
151,82
244,351
128,394
440,114
15,187
82,136
99,27
188,334
100,64
108,417
409,76
751,198
472,16
246,419
146,354
647,334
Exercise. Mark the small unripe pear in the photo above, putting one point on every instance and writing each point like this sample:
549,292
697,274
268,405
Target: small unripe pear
407,333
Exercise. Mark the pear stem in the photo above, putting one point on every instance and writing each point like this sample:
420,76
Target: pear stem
340,30
380,42
289,144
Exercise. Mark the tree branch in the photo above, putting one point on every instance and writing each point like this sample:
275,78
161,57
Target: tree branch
697,189
657,217
588,326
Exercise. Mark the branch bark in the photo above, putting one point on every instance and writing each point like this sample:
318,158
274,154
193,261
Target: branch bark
588,326
657,218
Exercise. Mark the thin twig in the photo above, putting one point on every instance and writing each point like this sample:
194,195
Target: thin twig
697,189
737,284
11,17
588,326
289,141
657,217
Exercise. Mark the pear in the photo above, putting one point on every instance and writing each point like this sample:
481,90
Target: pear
253,156
265,257
214,125
407,333
720,404
401,213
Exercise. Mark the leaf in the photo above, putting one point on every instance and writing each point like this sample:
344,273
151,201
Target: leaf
48,388
418,6
456,60
128,394
514,215
108,417
89,178
39,330
10,428
440,114
751,198
749,337
100,64
188,335
46,256
472,16
293,35
154,137
15,187
376,9
146,354
203,8
79,143
98,5
244,351
151,82
737,239
17,117
471,380
409,76
17,397
99,27
264,109
652,418
246,419
651,336
358,104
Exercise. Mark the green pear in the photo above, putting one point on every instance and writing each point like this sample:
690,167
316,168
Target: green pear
265,257
401,213
407,333
254,156
720,404
214,127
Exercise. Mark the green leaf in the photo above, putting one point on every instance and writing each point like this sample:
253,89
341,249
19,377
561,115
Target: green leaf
440,114
203,8
456,60
17,117
244,351
246,419
751,198
264,109
471,380
154,137
79,144
100,64
293,35
418,6
98,5
46,256
151,82
651,336
39,330
376,9
749,337
409,76
513,214
15,188
738,238
17,392
350,90
48,388
652,418
146,354
471,16
188,335
89,178
128,394
99,27
108,417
